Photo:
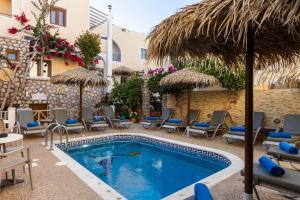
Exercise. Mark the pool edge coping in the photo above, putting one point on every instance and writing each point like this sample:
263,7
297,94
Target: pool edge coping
104,191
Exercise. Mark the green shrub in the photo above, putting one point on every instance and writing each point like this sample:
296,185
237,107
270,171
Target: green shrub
89,45
129,93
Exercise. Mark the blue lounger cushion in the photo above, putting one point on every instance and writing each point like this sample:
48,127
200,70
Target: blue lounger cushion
271,167
201,124
288,148
122,118
238,129
98,118
71,121
175,121
33,124
280,135
152,118
202,192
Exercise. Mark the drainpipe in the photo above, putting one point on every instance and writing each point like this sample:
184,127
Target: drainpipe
11,118
108,67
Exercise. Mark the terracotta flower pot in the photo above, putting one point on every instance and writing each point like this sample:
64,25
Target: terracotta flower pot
133,120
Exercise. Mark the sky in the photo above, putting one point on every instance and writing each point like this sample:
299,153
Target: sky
140,15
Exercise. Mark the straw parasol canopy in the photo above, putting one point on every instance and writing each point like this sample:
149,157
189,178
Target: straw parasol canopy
122,71
251,31
219,28
80,77
188,79
286,77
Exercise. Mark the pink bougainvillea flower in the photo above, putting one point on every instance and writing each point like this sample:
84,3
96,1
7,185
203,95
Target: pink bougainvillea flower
13,66
68,55
27,27
150,72
49,56
22,19
74,58
58,45
39,48
56,53
171,69
12,30
80,61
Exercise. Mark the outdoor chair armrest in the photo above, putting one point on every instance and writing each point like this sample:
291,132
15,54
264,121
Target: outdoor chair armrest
163,122
19,150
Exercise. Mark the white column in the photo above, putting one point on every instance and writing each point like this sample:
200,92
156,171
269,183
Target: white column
11,118
108,67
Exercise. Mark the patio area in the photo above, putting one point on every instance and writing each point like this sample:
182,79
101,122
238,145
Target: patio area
53,180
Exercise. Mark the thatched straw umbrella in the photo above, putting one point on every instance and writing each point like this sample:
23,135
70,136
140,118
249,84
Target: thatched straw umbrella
233,30
122,71
286,77
80,77
189,79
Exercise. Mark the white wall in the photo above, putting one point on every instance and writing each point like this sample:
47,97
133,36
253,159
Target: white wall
130,44
77,17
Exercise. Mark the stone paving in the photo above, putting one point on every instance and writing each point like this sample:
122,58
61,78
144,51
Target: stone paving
53,181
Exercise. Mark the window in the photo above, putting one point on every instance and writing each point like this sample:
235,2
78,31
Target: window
12,55
117,57
58,16
144,53
41,69
5,7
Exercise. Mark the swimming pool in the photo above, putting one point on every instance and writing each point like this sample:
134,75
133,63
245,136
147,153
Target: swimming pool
137,166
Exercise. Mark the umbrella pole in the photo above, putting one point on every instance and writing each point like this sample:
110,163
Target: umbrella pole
189,106
249,114
80,101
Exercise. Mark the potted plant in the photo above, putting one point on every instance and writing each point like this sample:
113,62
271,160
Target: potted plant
133,116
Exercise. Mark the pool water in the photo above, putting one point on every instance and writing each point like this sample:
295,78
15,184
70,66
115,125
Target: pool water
142,171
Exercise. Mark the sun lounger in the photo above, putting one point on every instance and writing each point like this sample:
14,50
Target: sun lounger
214,125
240,134
89,119
289,183
115,122
176,126
154,121
24,118
61,116
281,155
291,125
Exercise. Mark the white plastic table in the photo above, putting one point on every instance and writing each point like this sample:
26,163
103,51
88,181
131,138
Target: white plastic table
12,137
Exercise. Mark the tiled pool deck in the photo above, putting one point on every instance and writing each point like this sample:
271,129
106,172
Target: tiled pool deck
53,180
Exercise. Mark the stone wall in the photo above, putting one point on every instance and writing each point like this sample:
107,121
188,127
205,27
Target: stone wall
41,91
275,103
59,95
20,45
